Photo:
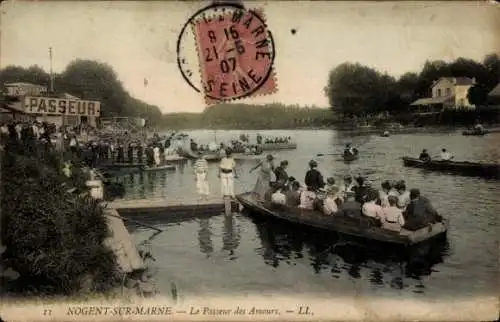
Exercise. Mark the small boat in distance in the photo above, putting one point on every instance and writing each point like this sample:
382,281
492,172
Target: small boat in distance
485,170
385,134
348,157
355,227
474,132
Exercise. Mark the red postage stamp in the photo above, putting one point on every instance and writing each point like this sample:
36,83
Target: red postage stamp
236,54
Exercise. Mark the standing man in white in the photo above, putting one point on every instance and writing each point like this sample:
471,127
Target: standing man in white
201,170
227,174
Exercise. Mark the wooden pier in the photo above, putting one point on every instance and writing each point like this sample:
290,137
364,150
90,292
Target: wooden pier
171,208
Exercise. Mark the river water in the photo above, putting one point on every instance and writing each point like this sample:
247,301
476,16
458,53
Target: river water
239,255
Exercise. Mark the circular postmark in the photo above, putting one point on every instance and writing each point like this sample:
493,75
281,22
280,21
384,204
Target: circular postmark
233,51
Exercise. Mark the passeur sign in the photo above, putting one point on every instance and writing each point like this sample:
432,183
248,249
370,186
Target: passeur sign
61,106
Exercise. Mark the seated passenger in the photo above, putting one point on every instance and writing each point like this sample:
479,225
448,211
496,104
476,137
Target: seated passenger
349,150
424,156
371,209
360,190
293,195
280,172
420,212
307,199
393,216
350,208
269,193
384,194
445,155
403,195
330,185
348,185
278,198
329,204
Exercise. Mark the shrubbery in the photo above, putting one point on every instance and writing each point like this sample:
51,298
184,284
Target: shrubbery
54,238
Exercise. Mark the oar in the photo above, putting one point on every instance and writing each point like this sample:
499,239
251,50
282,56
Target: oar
136,222
324,154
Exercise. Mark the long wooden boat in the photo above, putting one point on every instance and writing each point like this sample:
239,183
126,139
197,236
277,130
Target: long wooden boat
215,156
122,165
160,168
487,170
356,227
277,146
209,156
474,133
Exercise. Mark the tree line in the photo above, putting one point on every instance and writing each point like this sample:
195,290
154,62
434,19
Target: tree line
87,79
249,116
357,90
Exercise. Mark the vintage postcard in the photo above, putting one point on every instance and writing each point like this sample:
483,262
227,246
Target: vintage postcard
249,160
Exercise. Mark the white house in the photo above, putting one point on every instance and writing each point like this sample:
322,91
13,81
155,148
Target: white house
447,92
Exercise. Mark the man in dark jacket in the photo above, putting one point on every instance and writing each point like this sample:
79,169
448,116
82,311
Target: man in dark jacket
280,172
361,190
314,178
350,208
420,212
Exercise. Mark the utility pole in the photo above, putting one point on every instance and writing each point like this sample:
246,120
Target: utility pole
51,74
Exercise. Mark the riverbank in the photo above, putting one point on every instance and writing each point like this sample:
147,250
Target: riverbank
54,232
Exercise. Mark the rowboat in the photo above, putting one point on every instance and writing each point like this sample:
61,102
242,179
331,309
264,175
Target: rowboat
350,157
207,155
277,146
160,168
216,156
486,170
475,133
355,227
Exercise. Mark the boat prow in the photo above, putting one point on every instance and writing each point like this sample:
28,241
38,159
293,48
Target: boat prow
356,227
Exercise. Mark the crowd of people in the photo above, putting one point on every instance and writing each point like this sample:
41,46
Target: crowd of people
267,140
392,207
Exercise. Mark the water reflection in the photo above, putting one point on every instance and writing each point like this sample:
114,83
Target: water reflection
205,237
231,236
283,243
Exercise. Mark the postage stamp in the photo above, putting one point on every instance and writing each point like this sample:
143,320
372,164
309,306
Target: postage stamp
151,168
236,52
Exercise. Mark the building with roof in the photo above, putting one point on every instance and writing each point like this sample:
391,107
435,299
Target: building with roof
447,92
25,101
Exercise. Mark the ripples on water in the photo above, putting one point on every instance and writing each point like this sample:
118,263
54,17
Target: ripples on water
242,255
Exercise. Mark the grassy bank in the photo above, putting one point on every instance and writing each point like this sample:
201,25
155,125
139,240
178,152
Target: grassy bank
54,237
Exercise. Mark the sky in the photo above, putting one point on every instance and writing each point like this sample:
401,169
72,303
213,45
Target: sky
138,39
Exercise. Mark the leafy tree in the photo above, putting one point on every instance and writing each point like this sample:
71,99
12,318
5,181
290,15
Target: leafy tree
492,64
96,81
32,74
91,80
477,95
431,71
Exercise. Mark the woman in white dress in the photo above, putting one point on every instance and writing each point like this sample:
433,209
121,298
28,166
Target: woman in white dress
263,181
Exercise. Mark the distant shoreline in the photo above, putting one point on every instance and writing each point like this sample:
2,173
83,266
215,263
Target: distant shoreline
363,130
